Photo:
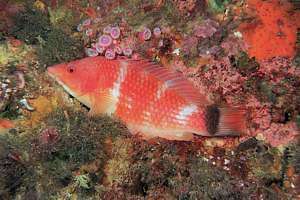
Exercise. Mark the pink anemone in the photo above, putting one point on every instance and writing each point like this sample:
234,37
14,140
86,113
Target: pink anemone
115,32
105,40
110,54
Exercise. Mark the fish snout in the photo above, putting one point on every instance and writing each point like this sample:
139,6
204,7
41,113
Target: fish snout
51,71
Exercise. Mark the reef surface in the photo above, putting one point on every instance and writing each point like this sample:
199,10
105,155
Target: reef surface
241,53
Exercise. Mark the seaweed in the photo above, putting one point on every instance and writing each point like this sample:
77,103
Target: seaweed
59,47
266,90
79,141
217,6
209,182
245,65
61,18
10,111
298,121
31,24
14,168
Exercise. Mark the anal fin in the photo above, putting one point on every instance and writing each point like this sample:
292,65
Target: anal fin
169,135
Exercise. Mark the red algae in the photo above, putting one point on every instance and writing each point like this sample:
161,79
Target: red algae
224,84
273,31
280,134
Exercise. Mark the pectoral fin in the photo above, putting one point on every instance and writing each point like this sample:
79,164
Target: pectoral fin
102,102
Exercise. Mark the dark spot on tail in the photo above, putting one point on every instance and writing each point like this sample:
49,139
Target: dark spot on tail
212,119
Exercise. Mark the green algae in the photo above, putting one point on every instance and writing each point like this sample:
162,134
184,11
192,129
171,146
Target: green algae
296,59
10,111
268,165
14,165
208,182
119,164
298,120
263,88
10,55
31,24
82,181
59,47
81,141
266,90
217,6
51,32
157,168
61,18
244,64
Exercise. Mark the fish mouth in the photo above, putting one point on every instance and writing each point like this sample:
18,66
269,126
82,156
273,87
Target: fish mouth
51,73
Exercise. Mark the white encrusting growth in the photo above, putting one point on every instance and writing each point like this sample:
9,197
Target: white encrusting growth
185,112
162,89
147,118
120,79
116,90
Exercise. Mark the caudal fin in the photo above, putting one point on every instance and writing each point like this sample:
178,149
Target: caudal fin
225,121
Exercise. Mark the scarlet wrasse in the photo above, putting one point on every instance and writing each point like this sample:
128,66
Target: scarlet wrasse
152,100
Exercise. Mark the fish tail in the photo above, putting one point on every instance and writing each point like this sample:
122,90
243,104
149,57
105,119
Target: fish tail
225,121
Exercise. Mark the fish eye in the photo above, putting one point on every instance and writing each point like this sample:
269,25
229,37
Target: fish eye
71,69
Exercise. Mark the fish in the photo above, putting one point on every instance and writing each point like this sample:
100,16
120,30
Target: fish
152,100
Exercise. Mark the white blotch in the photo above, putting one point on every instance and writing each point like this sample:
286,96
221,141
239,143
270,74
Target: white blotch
146,116
226,161
116,90
185,112
237,34
120,79
163,88
179,134
176,51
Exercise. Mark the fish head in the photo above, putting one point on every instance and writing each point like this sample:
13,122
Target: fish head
78,78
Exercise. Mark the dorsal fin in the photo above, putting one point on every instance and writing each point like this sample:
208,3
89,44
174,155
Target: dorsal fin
174,80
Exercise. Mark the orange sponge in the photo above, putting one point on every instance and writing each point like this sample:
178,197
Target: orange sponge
273,32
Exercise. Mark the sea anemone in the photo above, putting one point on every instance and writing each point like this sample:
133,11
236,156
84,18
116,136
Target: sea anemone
79,27
100,49
91,52
115,32
105,40
127,51
118,49
107,29
156,32
87,22
145,34
136,56
49,136
96,20
88,32
110,54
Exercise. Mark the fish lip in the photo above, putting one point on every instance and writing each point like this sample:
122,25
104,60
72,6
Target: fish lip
62,84
50,73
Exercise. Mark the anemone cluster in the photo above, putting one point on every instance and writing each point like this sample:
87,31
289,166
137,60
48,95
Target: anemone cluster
110,42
